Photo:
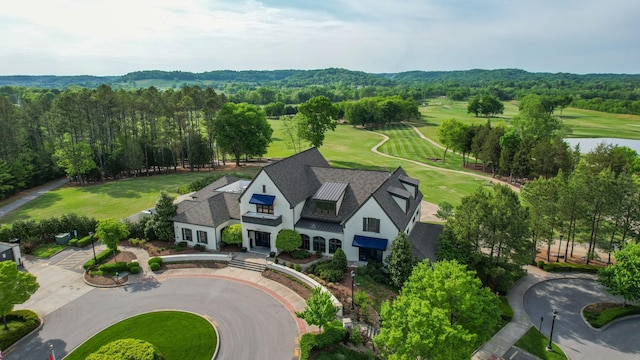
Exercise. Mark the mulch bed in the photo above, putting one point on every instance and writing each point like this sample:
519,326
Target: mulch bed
193,265
294,285
288,258
109,280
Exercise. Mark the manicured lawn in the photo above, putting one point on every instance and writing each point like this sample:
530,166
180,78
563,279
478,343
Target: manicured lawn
46,250
117,199
536,343
177,335
598,315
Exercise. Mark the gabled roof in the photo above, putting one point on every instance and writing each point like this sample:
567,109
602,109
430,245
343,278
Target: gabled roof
292,177
361,184
330,191
390,207
210,207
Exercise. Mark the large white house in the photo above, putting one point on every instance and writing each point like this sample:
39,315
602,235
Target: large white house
361,211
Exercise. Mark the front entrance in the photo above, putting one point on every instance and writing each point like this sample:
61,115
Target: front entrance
366,254
263,239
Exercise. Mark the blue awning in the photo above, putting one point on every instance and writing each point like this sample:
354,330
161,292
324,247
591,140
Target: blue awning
261,199
370,242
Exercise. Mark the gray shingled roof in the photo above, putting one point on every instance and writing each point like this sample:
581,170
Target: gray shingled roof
292,177
209,207
362,183
385,199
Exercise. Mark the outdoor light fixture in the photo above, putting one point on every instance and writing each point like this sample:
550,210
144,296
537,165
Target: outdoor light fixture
353,285
555,313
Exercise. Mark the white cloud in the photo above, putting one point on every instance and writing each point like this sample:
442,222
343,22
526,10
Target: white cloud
114,37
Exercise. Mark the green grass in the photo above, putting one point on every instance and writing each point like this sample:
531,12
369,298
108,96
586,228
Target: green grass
47,250
116,199
505,309
599,318
177,335
536,343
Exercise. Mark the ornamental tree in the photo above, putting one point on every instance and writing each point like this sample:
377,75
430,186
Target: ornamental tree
16,287
110,232
232,235
319,310
401,260
442,312
288,240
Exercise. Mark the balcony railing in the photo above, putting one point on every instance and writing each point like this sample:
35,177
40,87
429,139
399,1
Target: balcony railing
262,219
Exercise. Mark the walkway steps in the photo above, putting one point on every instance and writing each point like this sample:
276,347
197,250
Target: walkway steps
247,265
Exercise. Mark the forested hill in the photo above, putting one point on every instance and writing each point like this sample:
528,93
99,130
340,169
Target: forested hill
503,78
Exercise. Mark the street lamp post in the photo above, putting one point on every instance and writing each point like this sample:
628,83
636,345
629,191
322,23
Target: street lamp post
541,320
95,260
353,285
559,246
555,313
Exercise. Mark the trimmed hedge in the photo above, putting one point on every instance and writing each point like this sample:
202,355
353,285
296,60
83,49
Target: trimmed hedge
112,268
29,321
300,254
569,267
126,349
73,242
199,247
84,241
155,260
333,333
154,266
103,256
134,269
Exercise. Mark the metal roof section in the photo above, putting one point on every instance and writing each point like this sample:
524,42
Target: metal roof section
396,191
370,242
330,191
408,180
323,226
237,187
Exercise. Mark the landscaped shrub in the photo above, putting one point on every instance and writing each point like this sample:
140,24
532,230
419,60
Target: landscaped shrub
182,244
339,260
84,241
28,322
112,268
134,269
355,336
298,267
541,264
327,273
137,242
155,260
132,264
154,266
506,310
199,247
333,333
126,349
300,254
73,242
568,267
103,256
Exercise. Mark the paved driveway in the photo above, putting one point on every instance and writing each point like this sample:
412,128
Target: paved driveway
251,324
578,340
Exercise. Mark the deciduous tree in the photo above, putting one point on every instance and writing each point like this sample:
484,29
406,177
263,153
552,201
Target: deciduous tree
232,235
442,312
288,240
622,278
319,116
319,310
110,232
16,287
401,260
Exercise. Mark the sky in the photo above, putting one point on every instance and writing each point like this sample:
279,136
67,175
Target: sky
115,37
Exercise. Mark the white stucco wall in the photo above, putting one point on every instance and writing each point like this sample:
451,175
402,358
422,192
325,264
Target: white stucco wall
213,235
370,209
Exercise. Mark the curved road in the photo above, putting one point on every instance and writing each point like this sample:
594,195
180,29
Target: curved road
251,323
571,333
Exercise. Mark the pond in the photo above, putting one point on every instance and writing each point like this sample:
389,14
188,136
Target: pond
588,144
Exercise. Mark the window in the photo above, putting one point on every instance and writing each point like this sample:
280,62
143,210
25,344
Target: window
319,244
186,235
264,209
202,237
334,244
264,189
325,207
371,224
306,242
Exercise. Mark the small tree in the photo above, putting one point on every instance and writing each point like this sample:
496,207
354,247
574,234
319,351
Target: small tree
445,211
110,232
232,235
401,260
319,310
16,287
288,240
622,278
339,261
161,224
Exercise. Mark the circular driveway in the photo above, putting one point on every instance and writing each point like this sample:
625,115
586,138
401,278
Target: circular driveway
251,323
577,339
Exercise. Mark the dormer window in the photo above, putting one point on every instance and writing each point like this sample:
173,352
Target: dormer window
401,197
329,197
410,184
